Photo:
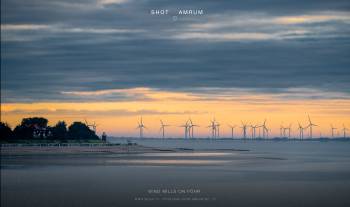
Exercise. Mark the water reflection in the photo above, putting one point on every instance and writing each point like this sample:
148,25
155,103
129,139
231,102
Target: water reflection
170,162
188,154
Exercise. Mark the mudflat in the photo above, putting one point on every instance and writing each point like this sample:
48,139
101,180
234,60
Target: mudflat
287,174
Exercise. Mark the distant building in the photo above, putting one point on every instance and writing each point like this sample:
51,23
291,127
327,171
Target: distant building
41,132
104,136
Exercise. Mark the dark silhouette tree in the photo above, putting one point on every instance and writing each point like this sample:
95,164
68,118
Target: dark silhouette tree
26,128
34,122
22,132
59,131
39,127
79,130
5,131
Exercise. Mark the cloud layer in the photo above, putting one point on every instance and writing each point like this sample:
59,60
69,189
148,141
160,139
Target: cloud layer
53,49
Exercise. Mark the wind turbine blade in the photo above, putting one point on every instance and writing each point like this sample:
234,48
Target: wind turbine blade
309,118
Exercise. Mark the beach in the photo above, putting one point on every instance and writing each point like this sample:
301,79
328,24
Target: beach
206,173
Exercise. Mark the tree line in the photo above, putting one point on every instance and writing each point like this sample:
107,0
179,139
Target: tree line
37,128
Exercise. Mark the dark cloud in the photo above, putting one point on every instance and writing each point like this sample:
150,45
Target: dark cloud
96,113
88,46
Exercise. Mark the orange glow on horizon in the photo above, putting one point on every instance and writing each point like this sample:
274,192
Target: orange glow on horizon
175,108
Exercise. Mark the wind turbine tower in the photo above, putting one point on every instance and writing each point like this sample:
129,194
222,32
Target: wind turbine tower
253,128
212,126
217,129
301,131
162,128
265,130
232,127
186,127
191,128
288,128
333,128
141,126
244,130
282,131
310,126
344,130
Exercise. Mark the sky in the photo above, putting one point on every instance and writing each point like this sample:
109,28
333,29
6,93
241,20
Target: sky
112,61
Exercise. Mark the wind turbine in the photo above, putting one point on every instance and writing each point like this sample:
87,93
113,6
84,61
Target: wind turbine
310,126
141,126
301,131
86,122
288,128
191,128
265,130
186,127
232,127
244,129
162,128
213,128
333,128
94,125
282,130
217,129
344,130
253,129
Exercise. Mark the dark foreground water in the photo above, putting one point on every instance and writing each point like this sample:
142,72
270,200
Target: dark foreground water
269,174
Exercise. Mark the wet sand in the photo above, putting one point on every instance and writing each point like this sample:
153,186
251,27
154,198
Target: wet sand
76,149
164,177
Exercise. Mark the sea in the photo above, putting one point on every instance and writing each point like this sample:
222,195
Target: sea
199,172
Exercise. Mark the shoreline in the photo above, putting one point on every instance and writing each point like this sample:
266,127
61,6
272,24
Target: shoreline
98,149
71,149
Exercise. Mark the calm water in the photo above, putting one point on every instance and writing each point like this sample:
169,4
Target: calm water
269,174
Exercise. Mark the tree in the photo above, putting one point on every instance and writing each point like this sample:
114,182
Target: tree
59,131
22,132
5,131
79,130
34,122
26,128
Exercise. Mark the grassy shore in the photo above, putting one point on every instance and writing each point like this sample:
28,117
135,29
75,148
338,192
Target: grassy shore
83,147
50,141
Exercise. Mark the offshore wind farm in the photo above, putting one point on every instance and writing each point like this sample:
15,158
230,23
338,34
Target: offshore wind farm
248,131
